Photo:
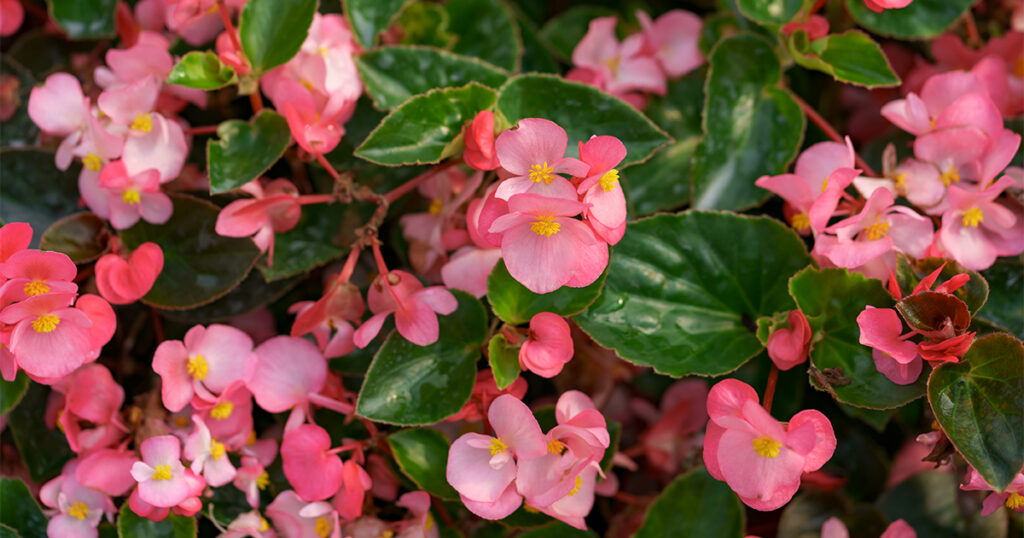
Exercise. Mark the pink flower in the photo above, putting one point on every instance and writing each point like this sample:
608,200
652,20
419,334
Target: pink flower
548,347
249,525
31,273
414,306
470,266
289,373
59,108
601,189
421,525
11,16
1012,497
915,180
311,468
618,68
759,458
91,418
107,470
672,39
275,209
163,481
894,355
976,228
295,518
479,137
483,468
816,27
208,455
834,528
948,350
14,237
78,509
545,248
355,482
123,197
340,307
788,347
683,413
534,154
433,233
879,6
123,281
208,361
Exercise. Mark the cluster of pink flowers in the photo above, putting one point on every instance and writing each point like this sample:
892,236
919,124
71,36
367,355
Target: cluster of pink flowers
642,63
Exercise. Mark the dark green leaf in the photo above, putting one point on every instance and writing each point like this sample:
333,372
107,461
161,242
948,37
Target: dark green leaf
694,505
752,128
130,525
18,129
979,402
411,385
244,151
770,11
19,510
557,529
43,450
929,503
199,265
309,245
515,304
84,19
921,19
425,23
82,236
8,532
974,293
11,392
537,56
272,31
485,30
371,17
832,299
565,30
34,190
583,111
504,360
683,291
1004,306
202,70
614,431
420,130
394,74
876,418
254,292
422,454
850,57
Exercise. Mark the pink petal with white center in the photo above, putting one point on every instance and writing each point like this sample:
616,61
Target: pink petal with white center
287,370
58,106
533,142
753,476
544,263
471,473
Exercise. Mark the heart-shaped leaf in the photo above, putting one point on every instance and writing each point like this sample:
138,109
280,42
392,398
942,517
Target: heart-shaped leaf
417,385
199,265
772,12
130,525
202,70
751,127
371,17
850,57
422,454
920,19
19,509
84,19
684,291
272,31
979,402
694,505
504,360
515,304
244,151
34,190
486,29
82,236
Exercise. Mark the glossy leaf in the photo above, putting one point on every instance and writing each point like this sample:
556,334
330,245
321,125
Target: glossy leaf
419,131
515,304
770,11
202,70
928,503
371,17
272,31
254,292
974,293
307,246
19,510
11,392
559,529
565,30
694,505
930,312
84,19
583,111
244,150
425,23
199,265
392,75
1004,307
537,53
485,30
832,299
82,236
850,57
422,454
130,525
979,402
504,360
411,385
34,190
683,291
919,20
43,450
752,128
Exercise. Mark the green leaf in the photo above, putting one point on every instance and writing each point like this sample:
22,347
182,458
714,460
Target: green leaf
694,505
850,57
202,70
419,131
307,246
1004,307
928,502
559,529
43,450
974,293
82,236
130,525
272,31
504,360
199,265
683,291
371,17
244,151
422,454
19,510
922,19
832,299
752,128
425,23
11,392
394,74
412,385
84,19
18,129
515,304
34,190
565,30
254,292
770,11
485,30
582,111
979,402
537,55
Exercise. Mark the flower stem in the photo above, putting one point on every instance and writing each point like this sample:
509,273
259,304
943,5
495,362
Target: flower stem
404,188
202,130
830,132
769,390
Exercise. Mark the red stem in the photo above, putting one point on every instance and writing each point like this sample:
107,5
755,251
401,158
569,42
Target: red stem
254,98
769,390
829,131
327,166
404,188
973,37
309,199
202,130
350,265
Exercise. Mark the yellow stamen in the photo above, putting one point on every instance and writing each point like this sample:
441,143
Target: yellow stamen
36,287
252,438
530,509
541,172
555,446
181,422
197,367
222,410
263,480
79,510
824,184
162,472
1015,501
143,122
131,196
973,217
612,63
878,229
767,447
322,51
429,523
322,527
497,446
45,323
579,484
900,180
436,205
545,226
92,162
950,176
609,180
387,534
307,84
801,222
264,526
216,449
60,425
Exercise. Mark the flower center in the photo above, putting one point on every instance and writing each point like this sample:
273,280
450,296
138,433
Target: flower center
576,488
143,122
609,180
1015,501
263,480
36,287
436,205
45,323
78,510
131,196
878,229
545,226
497,446
613,64
197,367
264,525
824,184
555,446
222,410
766,447
216,449
162,472
92,162
801,222
900,180
973,217
322,528
541,172
952,175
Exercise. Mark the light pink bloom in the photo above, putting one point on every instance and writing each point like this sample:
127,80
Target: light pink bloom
209,361
340,307
878,229
788,347
77,508
249,525
548,347
414,306
295,518
915,180
311,468
1012,497
229,417
59,108
894,355
433,233
575,505
976,227
601,189
290,372
163,481
834,528
879,6
209,456
124,198
162,147
479,137
533,153
759,458
618,68
275,209
122,281
470,266
421,525
672,39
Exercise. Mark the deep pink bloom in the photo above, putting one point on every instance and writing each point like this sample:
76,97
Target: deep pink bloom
948,350
414,306
533,153
485,390
601,189
107,470
290,372
879,6
208,361
163,481
894,355
788,347
77,509
672,39
1012,497
977,228
548,347
683,413
31,273
310,467
91,418
274,209
355,482
14,237
618,68
122,281
479,137
11,16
